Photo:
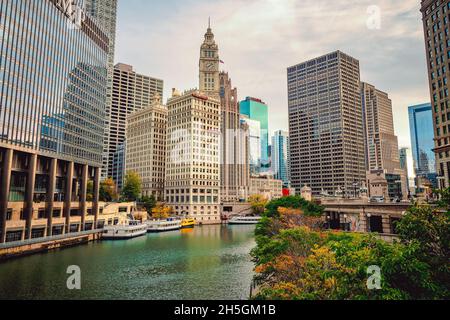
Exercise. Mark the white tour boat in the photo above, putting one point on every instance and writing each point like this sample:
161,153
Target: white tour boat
163,225
126,230
244,220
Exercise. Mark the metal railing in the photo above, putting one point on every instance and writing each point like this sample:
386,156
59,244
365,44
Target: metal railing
9,245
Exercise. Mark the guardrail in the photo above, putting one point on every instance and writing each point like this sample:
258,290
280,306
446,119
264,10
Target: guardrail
9,245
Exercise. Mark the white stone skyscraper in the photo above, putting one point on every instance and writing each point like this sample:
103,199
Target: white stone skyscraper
192,181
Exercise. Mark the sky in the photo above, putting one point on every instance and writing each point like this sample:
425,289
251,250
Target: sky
259,39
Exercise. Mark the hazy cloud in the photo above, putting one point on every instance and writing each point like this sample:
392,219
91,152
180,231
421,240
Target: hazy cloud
259,39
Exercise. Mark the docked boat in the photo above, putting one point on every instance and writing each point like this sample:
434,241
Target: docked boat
244,220
187,223
126,230
163,225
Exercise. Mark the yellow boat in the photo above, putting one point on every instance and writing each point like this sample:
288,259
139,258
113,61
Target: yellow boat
188,223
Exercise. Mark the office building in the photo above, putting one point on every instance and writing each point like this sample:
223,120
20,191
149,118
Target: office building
192,180
326,125
52,110
407,164
256,110
234,171
131,92
254,144
437,39
422,139
146,147
267,186
118,172
280,157
105,14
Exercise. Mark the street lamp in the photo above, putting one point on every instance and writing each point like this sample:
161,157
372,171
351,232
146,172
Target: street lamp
345,222
369,229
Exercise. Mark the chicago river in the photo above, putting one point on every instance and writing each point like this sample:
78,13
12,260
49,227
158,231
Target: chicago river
208,262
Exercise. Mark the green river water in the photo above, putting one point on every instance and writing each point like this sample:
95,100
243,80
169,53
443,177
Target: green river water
208,262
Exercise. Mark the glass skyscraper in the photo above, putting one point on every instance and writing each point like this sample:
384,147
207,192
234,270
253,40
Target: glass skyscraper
280,157
53,80
422,138
254,152
257,110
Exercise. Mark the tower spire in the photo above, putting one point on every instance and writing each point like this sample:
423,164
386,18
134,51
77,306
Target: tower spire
209,22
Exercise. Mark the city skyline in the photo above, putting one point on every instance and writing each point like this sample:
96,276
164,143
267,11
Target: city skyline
249,41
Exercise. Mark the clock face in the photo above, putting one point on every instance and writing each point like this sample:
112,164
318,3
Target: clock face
210,65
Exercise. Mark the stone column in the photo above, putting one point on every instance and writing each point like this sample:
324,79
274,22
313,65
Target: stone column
31,179
4,190
386,224
51,195
83,206
68,202
96,197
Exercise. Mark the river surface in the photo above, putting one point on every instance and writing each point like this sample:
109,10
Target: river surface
208,262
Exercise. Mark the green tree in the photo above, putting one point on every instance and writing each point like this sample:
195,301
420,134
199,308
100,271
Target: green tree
444,198
90,191
258,203
132,187
149,203
107,192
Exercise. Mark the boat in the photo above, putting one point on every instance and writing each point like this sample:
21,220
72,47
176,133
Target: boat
163,225
126,230
187,223
244,220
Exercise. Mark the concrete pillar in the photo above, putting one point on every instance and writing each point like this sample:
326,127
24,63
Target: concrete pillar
4,190
68,202
31,178
96,196
386,224
50,195
83,206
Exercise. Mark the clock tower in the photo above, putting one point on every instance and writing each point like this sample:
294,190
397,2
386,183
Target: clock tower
209,65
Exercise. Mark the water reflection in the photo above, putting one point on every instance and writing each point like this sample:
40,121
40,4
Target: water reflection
209,262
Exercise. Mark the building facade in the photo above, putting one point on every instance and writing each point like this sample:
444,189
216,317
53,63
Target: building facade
267,186
380,139
435,15
280,157
326,125
192,179
256,110
422,136
254,144
146,147
234,173
118,172
131,92
407,164
52,110
105,14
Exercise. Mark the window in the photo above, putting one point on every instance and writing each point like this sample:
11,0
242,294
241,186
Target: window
9,214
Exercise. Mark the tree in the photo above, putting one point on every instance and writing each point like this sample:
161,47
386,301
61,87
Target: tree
258,203
90,191
161,212
107,192
149,203
132,187
444,198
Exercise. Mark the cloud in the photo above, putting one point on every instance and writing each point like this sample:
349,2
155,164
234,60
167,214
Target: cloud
259,39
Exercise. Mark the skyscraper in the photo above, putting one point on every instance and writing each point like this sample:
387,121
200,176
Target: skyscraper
192,180
234,173
53,76
131,92
407,164
254,144
326,125
422,136
105,13
437,40
280,157
256,109
380,139
146,147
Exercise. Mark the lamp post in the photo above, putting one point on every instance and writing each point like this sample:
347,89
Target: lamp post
368,222
345,222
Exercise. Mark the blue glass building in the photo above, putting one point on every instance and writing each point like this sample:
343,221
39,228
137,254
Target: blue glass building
53,83
422,139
